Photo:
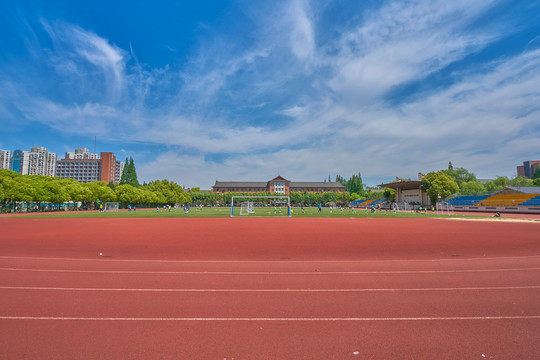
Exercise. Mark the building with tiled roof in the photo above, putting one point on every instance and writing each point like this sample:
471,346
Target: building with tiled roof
278,185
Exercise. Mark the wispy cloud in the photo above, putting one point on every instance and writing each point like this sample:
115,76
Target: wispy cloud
83,54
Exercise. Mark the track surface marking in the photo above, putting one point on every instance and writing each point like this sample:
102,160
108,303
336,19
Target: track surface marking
268,289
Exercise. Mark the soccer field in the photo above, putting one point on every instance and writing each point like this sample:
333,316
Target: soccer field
258,212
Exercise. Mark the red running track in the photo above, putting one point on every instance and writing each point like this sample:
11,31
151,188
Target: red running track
262,288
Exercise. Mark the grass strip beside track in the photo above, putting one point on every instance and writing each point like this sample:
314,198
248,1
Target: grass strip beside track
259,212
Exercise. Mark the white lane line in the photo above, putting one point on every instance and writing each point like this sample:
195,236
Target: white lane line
270,272
533,287
281,261
519,317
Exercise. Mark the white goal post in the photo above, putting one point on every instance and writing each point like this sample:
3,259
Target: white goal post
247,206
110,206
444,208
404,206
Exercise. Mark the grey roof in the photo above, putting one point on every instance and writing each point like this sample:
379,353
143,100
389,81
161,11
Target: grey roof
404,185
313,184
524,189
262,184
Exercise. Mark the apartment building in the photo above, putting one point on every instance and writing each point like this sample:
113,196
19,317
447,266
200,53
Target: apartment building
5,158
86,167
37,161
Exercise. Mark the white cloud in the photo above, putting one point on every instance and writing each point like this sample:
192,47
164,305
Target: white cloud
329,104
404,41
302,39
75,49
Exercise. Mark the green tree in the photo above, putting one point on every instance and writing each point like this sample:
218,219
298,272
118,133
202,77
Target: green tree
127,194
439,184
329,197
460,175
129,175
521,181
497,184
171,192
99,190
344,197
389,194
472,187
76,190
536,174
352,185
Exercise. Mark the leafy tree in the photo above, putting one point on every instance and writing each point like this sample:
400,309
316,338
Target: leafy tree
126,194
99,190
439,184
536,182
171,192
352,185
536,174
129,175
9,173
389,194
497,184
521,181
472,187
76,190
149,197
296,197
344,197
460,175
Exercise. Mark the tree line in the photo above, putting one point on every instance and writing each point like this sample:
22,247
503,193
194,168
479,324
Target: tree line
40,190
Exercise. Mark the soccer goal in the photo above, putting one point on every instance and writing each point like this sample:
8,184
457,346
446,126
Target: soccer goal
110,206
444,208
247,208
404,206
261,205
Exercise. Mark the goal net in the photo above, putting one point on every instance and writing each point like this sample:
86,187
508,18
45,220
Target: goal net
247,208
260,205
110,206
404,206
444,208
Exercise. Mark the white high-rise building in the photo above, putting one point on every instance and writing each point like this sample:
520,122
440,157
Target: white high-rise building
5,159
81,154
37,161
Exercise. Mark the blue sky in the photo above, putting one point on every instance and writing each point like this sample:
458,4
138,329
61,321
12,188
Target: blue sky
198,91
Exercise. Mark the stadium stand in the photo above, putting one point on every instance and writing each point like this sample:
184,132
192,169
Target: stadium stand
535,201
467,200
367,202
506,200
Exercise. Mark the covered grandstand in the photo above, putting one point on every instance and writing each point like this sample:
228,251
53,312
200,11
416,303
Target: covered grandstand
508,199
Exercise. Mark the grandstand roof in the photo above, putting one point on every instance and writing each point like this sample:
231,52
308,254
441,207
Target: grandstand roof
403,185
523,189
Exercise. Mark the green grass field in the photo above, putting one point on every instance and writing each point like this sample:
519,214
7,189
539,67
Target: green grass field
226,212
